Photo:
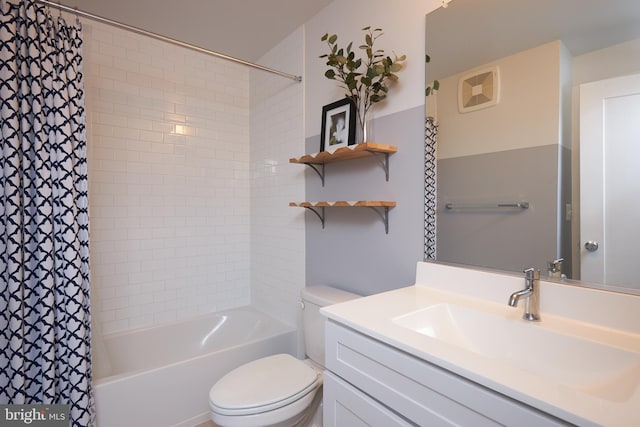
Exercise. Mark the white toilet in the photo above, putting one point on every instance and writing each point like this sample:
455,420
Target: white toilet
280,390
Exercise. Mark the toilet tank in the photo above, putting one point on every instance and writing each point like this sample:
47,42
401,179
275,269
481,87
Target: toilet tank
314,297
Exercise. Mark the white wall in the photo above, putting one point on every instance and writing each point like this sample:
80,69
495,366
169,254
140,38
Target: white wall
529,100
403,24
168,136
277,230
181,223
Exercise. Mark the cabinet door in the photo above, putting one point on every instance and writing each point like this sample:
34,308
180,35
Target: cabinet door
346,406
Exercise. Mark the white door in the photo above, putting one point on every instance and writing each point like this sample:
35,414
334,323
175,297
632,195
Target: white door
610,181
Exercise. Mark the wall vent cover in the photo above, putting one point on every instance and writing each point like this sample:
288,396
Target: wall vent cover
479,89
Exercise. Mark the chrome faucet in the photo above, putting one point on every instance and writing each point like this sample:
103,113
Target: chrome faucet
554,268
531,293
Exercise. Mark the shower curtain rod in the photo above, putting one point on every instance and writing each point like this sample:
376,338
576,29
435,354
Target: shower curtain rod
166,39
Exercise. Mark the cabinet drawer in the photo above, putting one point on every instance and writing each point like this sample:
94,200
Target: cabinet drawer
346,406
423,393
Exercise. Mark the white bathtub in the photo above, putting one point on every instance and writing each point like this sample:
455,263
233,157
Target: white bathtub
161,376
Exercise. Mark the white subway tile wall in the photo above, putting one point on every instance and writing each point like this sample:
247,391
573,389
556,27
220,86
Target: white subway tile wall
169,164
277,230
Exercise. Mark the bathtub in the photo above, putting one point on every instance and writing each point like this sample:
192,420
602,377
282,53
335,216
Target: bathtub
161,376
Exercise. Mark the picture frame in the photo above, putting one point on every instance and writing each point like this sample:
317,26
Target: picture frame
338,125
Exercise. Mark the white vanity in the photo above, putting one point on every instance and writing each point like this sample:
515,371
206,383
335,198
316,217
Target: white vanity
450,351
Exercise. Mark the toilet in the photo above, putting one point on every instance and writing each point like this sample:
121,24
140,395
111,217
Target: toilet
280,390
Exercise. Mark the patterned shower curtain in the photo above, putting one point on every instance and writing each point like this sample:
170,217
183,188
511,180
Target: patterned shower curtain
430,196
44,224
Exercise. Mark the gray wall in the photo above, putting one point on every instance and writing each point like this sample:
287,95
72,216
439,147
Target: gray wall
353,252
508,239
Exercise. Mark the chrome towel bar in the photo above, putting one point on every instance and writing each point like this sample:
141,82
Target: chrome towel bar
516,205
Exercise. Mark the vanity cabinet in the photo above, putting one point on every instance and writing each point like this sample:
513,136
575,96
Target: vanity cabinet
351,407
373,384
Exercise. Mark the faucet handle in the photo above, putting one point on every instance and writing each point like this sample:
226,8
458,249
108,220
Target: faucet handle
554,269
555,266
531,273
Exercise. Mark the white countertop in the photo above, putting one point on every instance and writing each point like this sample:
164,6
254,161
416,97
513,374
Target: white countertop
374,316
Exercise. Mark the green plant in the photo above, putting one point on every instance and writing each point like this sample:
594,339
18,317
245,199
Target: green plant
365,79
435,85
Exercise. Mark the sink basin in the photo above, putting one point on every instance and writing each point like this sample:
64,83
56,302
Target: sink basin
589,366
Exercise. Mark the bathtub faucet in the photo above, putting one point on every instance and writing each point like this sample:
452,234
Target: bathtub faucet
531,293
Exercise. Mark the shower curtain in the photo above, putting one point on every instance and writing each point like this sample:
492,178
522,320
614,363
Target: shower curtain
44,224
430,196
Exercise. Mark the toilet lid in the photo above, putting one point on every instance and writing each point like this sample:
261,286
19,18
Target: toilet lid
264,384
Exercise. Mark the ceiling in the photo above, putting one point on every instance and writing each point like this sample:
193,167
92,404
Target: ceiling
245,29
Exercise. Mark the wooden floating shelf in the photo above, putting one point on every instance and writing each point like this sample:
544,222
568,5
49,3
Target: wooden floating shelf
357,151
378,206
344,204
317,161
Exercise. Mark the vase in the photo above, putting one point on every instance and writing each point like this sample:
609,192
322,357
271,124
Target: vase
363,133
365,128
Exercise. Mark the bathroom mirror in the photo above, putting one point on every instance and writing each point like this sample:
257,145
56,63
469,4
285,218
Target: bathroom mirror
508,150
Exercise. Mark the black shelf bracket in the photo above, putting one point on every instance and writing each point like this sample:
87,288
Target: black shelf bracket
383,159
383,213
319,214
319,171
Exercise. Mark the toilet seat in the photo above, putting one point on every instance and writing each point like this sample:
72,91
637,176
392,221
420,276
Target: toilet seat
263,385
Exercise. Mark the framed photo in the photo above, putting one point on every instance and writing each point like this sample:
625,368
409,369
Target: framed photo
338,125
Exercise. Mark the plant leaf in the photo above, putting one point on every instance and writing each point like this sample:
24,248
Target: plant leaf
370,85
368,40
351,82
